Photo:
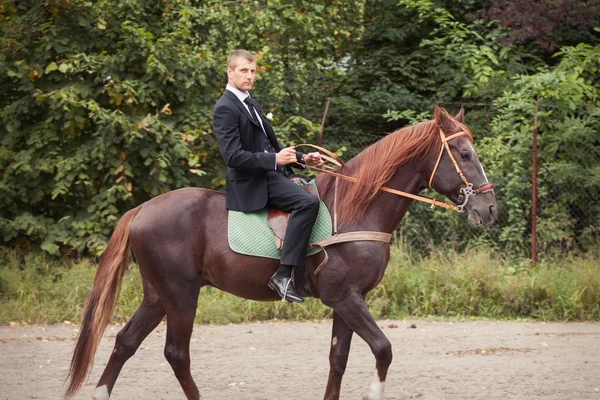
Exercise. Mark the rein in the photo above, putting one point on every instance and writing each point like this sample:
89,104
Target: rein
334,159
337,237
466,192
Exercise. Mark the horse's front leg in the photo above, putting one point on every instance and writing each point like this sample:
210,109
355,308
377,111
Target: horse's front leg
341,337
357,317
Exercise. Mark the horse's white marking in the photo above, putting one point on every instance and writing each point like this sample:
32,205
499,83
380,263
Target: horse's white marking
101,393
482,170
375,391
334,341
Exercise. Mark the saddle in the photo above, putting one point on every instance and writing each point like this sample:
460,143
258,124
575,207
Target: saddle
278,219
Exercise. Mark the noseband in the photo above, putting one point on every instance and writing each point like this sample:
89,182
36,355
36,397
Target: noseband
467,191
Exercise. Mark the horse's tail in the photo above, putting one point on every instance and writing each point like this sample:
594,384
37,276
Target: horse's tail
101,302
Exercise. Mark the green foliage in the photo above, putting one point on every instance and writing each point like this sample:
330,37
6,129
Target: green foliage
385,70
98,117
413,117
568,141
39,289
568,151
108,103
472,48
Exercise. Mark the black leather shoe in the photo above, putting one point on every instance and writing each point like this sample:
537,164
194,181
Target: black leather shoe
285,288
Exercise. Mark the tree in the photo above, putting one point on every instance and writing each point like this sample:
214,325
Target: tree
545,26
569,150
98,116
109,103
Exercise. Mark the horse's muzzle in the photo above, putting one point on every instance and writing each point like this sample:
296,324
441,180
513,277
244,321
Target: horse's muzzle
482,208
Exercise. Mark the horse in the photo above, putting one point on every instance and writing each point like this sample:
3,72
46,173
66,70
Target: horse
180,243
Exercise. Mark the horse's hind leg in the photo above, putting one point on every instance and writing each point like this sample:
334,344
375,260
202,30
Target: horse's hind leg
180,323
341,337
356,315
145,319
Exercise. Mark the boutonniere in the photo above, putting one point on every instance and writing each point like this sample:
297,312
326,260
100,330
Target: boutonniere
269,116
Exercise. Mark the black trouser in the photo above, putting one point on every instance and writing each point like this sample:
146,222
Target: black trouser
303,208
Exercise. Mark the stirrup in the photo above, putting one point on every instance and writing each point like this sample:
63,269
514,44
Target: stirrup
285,290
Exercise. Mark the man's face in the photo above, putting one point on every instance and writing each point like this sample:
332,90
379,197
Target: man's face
242,77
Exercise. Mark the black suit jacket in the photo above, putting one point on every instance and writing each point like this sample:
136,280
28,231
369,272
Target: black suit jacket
241,141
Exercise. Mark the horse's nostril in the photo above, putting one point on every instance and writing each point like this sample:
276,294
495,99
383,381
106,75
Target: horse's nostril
491,209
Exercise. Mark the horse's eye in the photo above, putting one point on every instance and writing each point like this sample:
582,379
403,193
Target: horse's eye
464,156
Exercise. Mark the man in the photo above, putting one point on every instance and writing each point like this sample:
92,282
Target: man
258,168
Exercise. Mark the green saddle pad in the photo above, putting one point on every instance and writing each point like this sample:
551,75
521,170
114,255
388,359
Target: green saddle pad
248,233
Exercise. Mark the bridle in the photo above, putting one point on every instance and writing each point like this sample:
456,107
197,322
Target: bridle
383,237
467,191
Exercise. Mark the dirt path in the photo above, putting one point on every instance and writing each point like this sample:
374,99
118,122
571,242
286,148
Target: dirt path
287,360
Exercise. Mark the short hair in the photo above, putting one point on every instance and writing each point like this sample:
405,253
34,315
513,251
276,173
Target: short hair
236,55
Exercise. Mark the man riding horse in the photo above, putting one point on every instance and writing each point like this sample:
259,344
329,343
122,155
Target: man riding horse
258,168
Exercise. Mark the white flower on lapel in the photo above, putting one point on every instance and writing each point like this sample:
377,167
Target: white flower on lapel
270,116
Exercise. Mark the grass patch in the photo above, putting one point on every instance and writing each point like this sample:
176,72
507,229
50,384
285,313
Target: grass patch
476,283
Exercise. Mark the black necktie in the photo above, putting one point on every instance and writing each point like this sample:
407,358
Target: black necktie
254,108
252,105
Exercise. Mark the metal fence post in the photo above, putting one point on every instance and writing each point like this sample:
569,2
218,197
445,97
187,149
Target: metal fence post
534,184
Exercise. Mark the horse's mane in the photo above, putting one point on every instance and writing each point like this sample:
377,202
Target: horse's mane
374,166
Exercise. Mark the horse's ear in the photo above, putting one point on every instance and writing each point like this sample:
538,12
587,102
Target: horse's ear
461,114
442,119
437,114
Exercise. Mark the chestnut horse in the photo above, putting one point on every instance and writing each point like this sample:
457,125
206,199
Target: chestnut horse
180,243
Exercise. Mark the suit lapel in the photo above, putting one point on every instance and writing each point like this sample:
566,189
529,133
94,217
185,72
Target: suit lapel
241,106
269,130
266,124
264,121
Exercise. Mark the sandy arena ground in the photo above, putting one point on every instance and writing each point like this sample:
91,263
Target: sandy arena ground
443,360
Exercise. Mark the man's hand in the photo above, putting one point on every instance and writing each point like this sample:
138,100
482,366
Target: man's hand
286,156
313,159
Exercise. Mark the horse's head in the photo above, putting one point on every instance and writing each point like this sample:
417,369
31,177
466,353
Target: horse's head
457,173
